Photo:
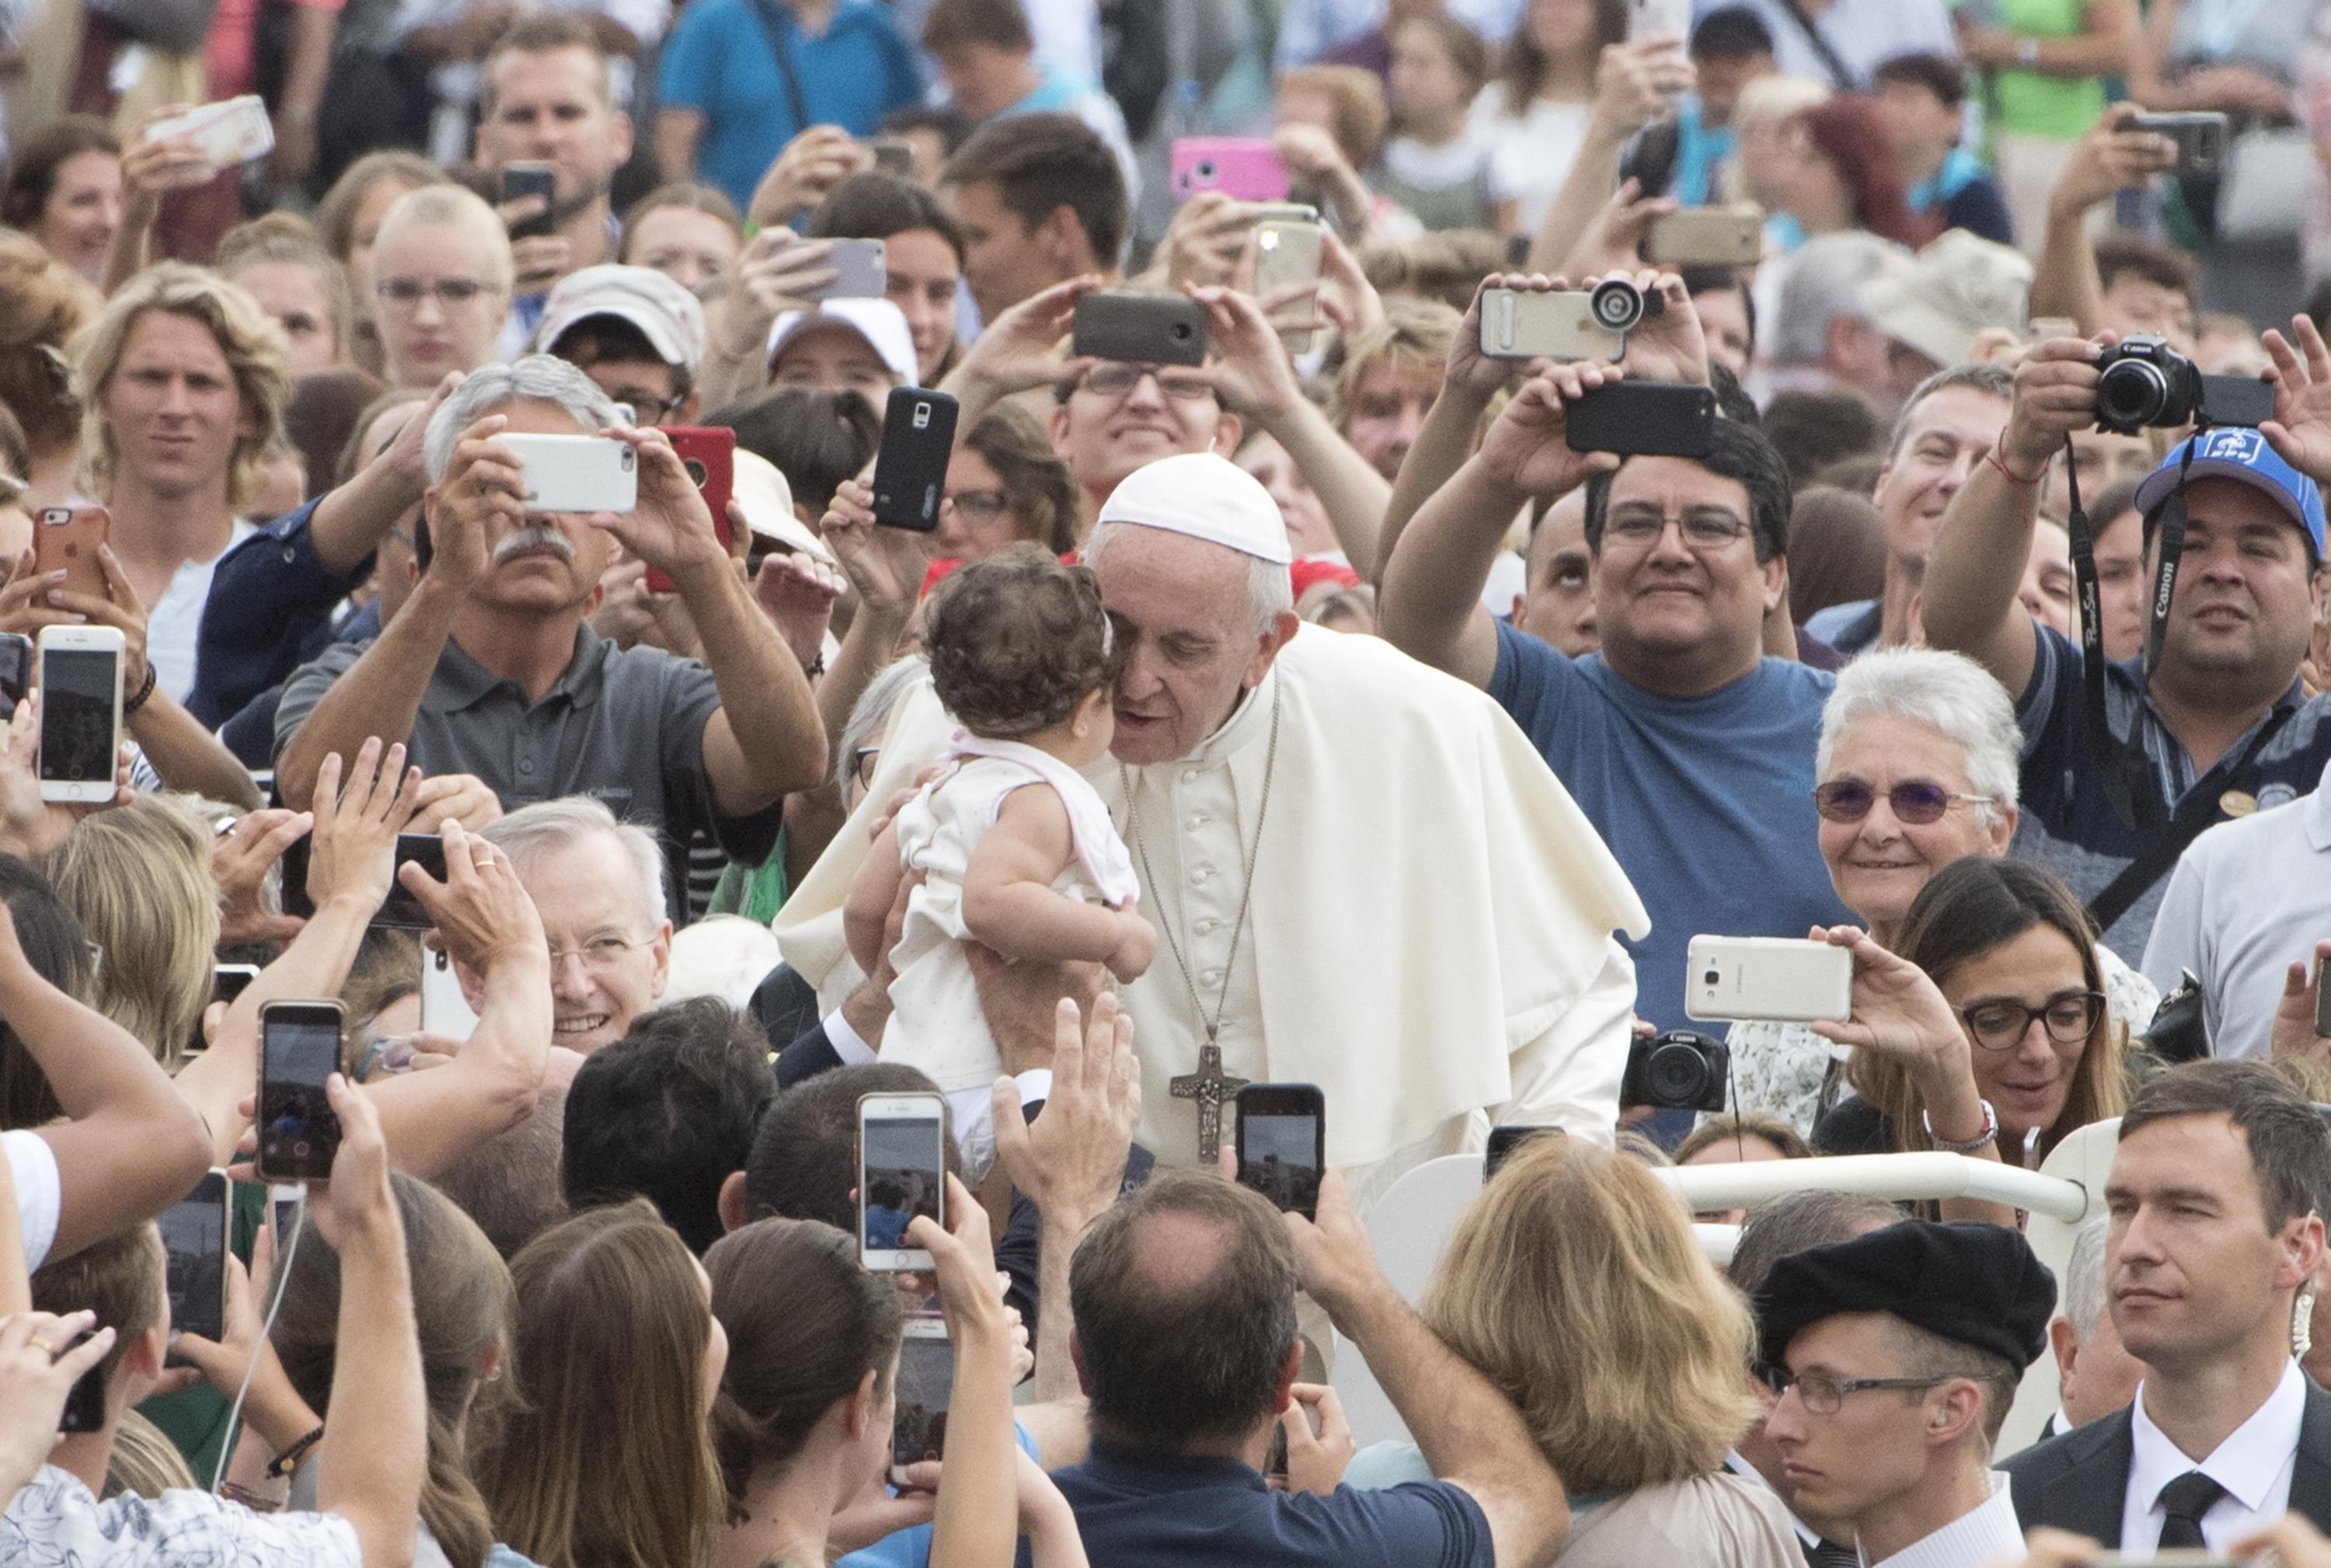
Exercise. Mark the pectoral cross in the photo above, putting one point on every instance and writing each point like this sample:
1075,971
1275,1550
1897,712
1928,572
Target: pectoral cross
1209,1086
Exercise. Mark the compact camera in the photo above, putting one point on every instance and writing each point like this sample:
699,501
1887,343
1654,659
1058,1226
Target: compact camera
1618,306
2142,381
1681,1069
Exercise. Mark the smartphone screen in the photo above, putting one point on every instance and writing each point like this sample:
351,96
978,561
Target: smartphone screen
15,668
925,1378
1279,1145
299,1048
1503,1141
193,1236
901,1173
76,739
520,180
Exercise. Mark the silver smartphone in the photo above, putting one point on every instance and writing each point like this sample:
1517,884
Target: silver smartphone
1706,237
577,474
1778,979
1532,324
1286,253
861,271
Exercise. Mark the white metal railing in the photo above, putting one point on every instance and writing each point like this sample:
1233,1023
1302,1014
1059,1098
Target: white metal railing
1899,1177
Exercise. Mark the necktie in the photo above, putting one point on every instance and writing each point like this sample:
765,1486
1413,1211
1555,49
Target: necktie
2185,1500
1829,1554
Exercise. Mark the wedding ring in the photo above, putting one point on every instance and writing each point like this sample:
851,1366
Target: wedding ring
45,1344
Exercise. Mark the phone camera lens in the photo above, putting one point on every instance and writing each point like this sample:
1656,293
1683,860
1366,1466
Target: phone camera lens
1179,332
695,474
1713,977
1205,169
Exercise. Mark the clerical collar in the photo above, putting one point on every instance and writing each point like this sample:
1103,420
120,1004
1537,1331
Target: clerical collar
1247,725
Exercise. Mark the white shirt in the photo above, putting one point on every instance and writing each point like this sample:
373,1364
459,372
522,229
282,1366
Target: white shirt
2253,1464
53,1519
1864,33
40,1191
1530,153
175,620
1989,1533
2248,898
971,1112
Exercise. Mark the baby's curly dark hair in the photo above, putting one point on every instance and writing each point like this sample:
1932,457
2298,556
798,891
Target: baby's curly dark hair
1017,640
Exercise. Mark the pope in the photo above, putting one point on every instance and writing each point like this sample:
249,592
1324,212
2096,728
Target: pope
1363,875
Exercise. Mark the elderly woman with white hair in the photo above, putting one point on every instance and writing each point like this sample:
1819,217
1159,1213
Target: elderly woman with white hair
1917,769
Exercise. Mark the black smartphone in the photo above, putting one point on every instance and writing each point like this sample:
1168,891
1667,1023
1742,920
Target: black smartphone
2242,400
925,1381
520,180
910,467
1504,1141
400,910
194,1237
1644,419
2201,138
1140,329
15,668
298,1049
228,981
1282,1143
2323,998
85,1405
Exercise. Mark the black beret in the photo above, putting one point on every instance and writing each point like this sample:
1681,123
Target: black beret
1977,1283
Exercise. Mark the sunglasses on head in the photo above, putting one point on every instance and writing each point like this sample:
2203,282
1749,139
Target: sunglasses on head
1914,800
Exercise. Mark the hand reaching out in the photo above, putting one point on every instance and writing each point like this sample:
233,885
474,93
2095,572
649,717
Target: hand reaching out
1667,344
1024,347
885,566
36,1372
2111,156
1072,1156
354,846
1528,446
796,592
2300,430
1471,371
1613,239
778,272
239,860
29,826
481,914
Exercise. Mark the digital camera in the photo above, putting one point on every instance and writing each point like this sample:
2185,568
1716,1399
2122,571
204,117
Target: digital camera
2142,381
1681,1071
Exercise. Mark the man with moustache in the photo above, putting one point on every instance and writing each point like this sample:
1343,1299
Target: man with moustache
490,669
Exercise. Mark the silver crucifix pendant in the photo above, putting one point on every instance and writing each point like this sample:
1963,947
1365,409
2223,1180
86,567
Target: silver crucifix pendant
1209,1086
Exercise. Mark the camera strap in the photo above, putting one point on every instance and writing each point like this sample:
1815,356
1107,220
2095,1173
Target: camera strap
2127,783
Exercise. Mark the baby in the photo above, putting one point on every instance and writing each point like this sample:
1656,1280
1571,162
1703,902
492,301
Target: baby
1015,850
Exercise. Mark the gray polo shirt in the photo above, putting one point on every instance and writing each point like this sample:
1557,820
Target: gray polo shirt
623,725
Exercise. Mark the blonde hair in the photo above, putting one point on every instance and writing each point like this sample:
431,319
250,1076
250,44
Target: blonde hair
290,240
1575,1284
138,876
42,303
246,335
1414,334
336,214
144,1462
456,207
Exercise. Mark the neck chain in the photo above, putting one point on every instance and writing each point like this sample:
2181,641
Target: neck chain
1246,897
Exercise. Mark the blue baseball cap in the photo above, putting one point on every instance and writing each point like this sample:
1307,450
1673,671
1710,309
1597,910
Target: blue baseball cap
2237,453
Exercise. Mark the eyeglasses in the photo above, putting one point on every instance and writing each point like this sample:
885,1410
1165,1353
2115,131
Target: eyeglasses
1703,528
600,954
863,763
646,407
406,293
1917,801
1117,378
1825,1396
2001,1025
979,505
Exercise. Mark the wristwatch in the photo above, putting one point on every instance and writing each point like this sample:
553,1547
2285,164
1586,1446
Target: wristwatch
1966,1147
2027,53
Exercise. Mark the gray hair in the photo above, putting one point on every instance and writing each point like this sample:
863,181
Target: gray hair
1946,691
871,714
547,826
1796,1220
1270,591
532,378
1823,283
2084,1277
1995,379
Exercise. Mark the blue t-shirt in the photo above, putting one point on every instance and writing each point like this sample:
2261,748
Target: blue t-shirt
1705,801
717,61
1698,150
911,1547
1138,1510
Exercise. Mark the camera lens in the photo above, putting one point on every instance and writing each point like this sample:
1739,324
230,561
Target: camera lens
1676,1075
1179,332
2131,394
1713,977
1617,304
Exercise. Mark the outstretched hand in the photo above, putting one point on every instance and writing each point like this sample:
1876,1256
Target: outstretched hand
2300,430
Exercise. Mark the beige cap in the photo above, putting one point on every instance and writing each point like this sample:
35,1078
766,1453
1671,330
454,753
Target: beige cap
765,497
1955,289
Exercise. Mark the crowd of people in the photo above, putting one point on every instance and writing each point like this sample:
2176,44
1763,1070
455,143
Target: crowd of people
1341,691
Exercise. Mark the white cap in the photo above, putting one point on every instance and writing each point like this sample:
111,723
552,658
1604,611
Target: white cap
762,494
882,324
1955,289
665,313
1206,497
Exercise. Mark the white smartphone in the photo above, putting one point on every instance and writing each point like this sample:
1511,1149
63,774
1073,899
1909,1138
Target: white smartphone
901,1173
1659,19
80,712
1531,323
1777,979
445,1010
1287,252
230,132
577,474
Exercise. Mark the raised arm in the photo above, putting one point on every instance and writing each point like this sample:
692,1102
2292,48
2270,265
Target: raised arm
131,1145
352,847
1430,608
1977,565
1023,348
352,519
1469,381
1470,1434
978,1520
381,693
765,741
777,271
491,928
886,567
2065,282
375,1448
1634,85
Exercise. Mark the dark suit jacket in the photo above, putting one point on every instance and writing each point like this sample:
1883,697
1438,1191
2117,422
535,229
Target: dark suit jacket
2078,1481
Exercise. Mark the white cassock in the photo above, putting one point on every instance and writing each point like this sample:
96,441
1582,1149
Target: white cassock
1430,940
